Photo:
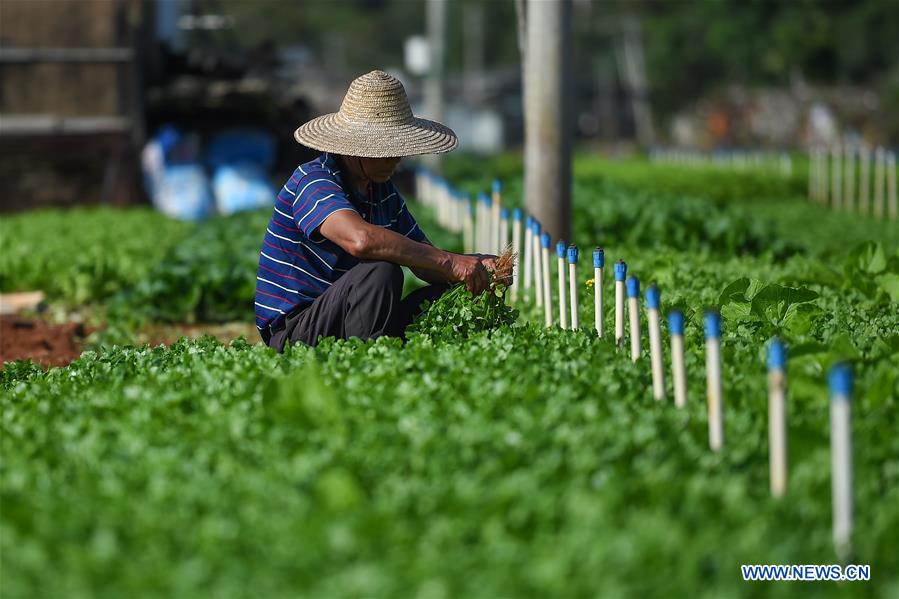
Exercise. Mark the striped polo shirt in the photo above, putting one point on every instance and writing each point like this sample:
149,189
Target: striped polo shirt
297,264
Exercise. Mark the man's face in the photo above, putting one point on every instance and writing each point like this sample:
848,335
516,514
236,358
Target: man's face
380,169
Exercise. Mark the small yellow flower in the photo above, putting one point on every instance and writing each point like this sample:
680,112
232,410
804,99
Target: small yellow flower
589,283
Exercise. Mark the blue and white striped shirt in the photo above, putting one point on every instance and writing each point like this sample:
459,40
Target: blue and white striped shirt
297,264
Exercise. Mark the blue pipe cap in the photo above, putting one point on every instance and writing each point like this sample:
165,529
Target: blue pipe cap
633,286
599,258
482,198
653,297
572,254
777,354
675,322
504,213
516,214
560,249
712,325
545,241
620,270
529,222
536,227
497,186
839,379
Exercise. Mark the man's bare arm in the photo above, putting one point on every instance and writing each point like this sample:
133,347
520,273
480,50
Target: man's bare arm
369,242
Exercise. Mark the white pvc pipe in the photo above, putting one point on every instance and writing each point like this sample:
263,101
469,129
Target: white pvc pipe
840,380
864,174
547,287
572,302
713,380
563,304
538,270
879,182
516,248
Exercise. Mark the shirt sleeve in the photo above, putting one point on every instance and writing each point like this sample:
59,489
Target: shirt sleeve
315,201
406,225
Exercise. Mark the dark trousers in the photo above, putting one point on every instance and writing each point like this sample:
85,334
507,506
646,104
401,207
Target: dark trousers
367,302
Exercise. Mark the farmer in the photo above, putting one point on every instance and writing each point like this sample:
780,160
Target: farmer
331,256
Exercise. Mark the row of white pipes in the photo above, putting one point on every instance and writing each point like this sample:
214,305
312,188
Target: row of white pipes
484,225
533,256
778,162
839,174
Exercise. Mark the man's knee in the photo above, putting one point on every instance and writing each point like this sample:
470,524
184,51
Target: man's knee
383,273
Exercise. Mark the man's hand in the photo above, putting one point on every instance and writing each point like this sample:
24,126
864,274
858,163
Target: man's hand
471,269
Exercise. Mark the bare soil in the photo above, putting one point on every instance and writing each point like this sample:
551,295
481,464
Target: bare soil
45,343
51,344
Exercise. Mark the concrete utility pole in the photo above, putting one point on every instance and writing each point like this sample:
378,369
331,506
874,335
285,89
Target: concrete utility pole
436,22
547,102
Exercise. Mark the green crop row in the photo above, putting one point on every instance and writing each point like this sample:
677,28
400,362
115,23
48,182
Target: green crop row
81,256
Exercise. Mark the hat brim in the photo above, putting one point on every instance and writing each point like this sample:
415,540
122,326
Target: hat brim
335,134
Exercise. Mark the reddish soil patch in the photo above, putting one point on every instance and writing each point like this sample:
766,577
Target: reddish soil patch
45,343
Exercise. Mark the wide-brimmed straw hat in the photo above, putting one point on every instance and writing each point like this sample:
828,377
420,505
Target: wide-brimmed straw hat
375,121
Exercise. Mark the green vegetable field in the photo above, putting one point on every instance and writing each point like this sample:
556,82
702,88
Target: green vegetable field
518,461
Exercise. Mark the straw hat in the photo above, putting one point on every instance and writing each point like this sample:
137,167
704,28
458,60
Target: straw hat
375,121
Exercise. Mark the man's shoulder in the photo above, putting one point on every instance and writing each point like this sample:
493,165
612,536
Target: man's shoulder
311,175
